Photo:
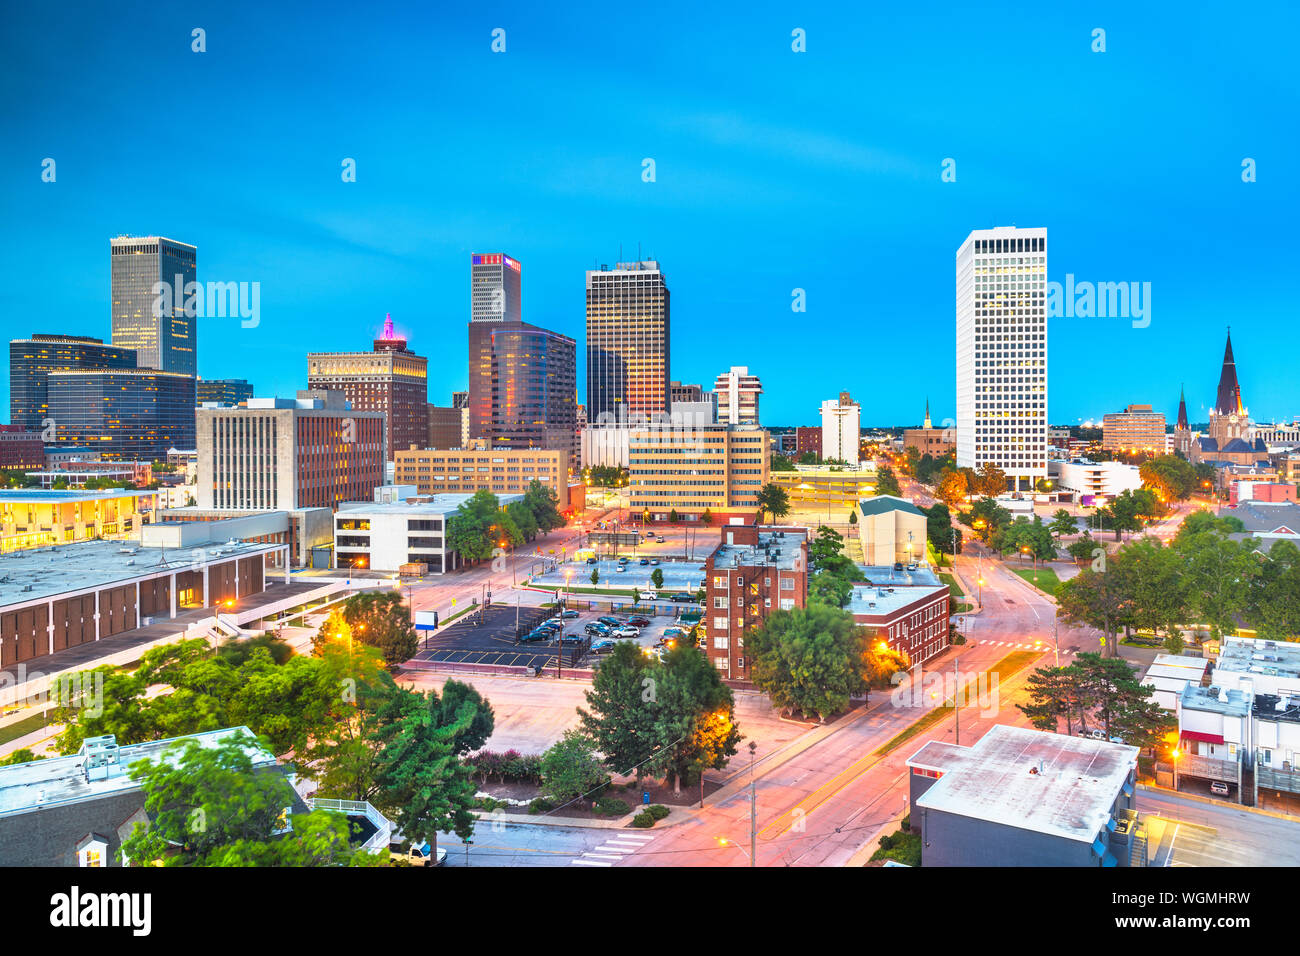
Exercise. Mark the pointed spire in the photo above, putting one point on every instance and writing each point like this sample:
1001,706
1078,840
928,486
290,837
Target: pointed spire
1182,425
389,334
1228,401
927,413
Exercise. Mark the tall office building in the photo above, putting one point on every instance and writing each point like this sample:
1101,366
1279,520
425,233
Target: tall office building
627,341
1002,353
522,386
32,360
390,379
168,341
495,288
737,392
1136,428
841,429
135,414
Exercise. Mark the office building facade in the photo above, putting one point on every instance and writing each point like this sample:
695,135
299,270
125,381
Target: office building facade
134,414
1136,428
690,469
628,310
522,386
163,334
32,360
841,429
737,392
390,379
1001,306
222,391
496,288
312,451
481,467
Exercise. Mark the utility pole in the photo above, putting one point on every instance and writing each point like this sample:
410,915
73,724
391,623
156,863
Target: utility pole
753,808
956,703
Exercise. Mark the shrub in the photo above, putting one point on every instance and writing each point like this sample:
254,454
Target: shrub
643,820
658,811
541,805
612,807
508,767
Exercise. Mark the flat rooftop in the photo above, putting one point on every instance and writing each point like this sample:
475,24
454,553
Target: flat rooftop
37,573
1244,656
883,600
429,505
60,780
28,496
1029,779
923,576
781,549
1228,701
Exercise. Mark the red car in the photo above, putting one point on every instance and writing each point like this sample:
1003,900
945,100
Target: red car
639,621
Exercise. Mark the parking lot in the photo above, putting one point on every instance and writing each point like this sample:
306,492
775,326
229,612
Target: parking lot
492,641
679,575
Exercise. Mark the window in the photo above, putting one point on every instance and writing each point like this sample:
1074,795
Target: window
720,643
720,623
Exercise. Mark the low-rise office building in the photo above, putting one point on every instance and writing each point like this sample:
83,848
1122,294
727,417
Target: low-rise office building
1169,674
385,535
20,449
32,518
482,466
1104,479
687,470
912,619
1137,428
828,490
751,573
1020,797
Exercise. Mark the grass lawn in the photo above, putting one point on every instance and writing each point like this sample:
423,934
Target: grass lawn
19,728
953,587
1047,580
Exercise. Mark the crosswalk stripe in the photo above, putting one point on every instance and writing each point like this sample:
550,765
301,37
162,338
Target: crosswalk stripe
601,856
587,863
636,838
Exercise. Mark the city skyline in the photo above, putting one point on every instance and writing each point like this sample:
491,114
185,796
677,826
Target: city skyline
853,211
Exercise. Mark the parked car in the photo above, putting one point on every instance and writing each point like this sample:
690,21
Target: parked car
643,562
627,630
621,568
898,565
1219,787
912,566
550,625
660,539
674,631
569,639
654,561
591,560
603,647
611,621
535,636
597,629
681,597
569,613
623,560
639,621
418,854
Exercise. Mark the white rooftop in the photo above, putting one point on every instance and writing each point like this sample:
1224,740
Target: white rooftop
60,780
1029,779
885,600
423,505
1246,656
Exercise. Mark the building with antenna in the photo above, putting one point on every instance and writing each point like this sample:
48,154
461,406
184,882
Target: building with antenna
390,379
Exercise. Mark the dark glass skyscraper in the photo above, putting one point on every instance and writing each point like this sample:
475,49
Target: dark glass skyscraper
168,341
222,391
32,360
135,414
522,386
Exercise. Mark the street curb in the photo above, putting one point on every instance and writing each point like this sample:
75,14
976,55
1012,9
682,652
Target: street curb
862,855
543,819
1223,804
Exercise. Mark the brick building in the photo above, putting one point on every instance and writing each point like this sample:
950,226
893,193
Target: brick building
908,618
808,438
20,448
753,571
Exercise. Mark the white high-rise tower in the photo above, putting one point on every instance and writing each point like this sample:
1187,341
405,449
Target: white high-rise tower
1002,352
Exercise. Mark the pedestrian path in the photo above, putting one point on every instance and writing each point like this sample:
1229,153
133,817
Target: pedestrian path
613,850
1025,647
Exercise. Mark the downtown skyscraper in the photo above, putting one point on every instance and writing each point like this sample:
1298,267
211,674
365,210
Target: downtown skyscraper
627,341
1002,353
522,378
168,340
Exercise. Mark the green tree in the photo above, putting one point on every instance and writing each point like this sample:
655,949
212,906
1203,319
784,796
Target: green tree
773,500
657,578
781,463
619,717
1274,606
696,725
595,576
706,517
887,482
524,520
992,480
808,660
544,503
952,488
571,768
378,619
421,783
476,529
939,528
1063,523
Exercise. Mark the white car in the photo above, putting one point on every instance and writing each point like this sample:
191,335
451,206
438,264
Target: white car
627,630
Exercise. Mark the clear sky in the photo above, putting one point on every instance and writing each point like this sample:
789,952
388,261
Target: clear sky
775,170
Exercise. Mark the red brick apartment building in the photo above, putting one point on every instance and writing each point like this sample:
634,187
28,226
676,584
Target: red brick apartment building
912,618
753,571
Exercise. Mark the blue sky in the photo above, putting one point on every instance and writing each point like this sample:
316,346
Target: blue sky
775,171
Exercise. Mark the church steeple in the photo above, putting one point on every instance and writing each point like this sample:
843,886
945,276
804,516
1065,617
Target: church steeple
1182,411
927,414
1228,401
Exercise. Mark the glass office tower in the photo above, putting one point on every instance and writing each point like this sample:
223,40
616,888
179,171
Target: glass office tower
32,360
167,341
